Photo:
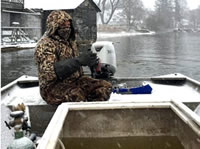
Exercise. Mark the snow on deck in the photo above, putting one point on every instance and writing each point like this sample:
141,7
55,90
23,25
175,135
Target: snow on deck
161,93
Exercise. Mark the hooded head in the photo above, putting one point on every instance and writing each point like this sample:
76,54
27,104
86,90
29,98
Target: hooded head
56,25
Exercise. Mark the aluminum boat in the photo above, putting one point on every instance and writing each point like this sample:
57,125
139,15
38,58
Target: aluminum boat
172,109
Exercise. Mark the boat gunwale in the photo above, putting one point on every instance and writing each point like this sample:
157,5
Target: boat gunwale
176,76
51,137
15,82
187,111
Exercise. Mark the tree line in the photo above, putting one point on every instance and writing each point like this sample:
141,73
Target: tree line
167,14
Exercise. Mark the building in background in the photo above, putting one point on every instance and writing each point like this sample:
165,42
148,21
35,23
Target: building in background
19,25
30,20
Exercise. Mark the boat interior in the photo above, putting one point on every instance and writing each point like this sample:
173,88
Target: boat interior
143,124
170,112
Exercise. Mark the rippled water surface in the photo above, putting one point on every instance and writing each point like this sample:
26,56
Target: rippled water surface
142,55
148,55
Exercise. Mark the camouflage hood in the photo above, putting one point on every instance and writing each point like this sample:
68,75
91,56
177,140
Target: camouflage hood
55,20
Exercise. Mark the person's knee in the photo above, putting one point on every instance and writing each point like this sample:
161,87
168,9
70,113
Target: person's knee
77,95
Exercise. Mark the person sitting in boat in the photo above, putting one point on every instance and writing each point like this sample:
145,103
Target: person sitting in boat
60,73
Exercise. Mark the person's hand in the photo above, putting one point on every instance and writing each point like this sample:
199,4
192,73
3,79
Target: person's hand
87,58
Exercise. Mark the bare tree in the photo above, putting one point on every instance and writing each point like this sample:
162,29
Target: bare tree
164,14
179,11
133,11
108,8
194,17
151,20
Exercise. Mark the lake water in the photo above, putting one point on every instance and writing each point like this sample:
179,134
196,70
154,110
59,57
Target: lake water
137,56
149,55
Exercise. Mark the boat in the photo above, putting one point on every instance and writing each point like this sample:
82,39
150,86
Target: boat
171,111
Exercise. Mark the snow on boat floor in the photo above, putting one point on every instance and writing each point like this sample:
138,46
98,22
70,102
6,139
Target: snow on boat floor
163,92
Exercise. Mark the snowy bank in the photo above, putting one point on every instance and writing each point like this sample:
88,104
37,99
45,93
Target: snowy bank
121,34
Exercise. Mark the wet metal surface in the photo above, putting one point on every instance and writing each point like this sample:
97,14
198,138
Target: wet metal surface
139,142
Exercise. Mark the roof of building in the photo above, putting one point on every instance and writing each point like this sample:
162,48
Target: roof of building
52,4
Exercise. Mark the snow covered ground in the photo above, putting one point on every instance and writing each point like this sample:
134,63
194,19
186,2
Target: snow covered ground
121,34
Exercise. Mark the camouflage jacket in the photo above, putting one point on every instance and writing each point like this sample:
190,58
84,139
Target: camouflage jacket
51,48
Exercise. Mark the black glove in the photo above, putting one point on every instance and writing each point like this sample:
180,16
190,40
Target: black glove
66,67
87,58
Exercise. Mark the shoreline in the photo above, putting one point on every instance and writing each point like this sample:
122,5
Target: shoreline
102,35
121,34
